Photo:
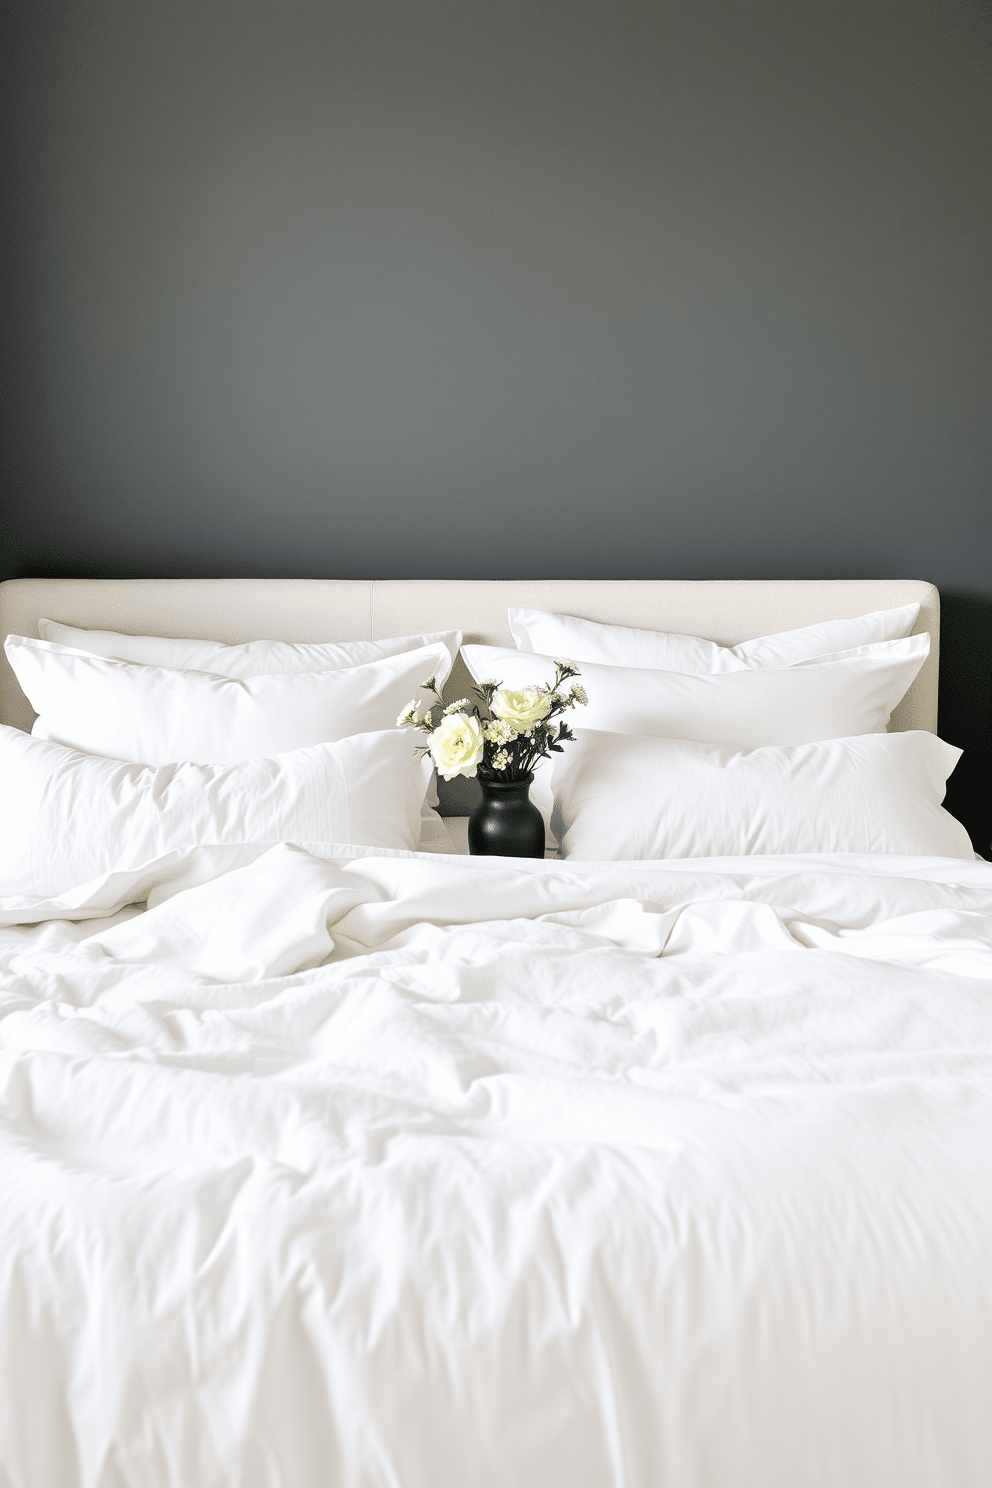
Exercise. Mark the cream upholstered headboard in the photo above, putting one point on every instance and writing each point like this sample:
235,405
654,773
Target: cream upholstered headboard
354,609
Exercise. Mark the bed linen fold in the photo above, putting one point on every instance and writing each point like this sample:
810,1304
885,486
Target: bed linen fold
343,1166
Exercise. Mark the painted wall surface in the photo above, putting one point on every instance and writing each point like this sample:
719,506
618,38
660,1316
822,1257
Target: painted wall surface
534,288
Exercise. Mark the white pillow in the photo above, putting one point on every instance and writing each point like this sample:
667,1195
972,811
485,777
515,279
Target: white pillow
852,693
253,659
621,645
69,817
620,796
832,699
153,715
257,659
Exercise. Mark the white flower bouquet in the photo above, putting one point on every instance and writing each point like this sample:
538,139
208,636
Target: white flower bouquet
504,738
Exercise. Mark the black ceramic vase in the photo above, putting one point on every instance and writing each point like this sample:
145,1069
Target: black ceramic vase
506,823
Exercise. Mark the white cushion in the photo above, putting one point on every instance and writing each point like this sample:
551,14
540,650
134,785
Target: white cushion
621,796
69,817
253,659
852,693
153,715
834,698
259,658
620,645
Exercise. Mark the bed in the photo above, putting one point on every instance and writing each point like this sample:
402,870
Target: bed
334,1163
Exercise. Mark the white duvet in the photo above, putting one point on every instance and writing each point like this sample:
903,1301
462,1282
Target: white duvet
349,1168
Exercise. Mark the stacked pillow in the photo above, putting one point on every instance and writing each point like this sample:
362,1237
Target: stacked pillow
841,694
685,748
248,659
70,817
625,796
622,645
143,744
688,748
156,714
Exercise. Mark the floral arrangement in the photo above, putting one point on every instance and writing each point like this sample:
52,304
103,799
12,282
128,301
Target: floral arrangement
513,730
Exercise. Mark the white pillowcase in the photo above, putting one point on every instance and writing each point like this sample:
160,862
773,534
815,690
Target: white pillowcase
620,645
252,659
154,715
257,659
619,796
837,696
834,698
69,817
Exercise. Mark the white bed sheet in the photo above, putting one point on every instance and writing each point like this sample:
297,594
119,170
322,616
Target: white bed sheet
552,1174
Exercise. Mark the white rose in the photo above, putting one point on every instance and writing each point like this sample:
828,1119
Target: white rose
456,745
521,707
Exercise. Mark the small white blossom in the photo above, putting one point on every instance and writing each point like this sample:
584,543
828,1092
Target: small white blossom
578,697
501,760
409,717
499,732
455,707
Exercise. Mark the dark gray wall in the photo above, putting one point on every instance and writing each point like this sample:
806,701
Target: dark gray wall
534,287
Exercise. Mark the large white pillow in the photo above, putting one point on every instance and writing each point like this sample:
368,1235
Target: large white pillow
852,693
69,817
258,658
252,659
153,715
623,796
832,699
621,645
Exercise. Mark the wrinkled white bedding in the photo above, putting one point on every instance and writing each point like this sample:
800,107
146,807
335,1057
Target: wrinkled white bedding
353,1168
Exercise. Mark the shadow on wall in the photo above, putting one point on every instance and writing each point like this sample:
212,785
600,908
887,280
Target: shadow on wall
965,715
